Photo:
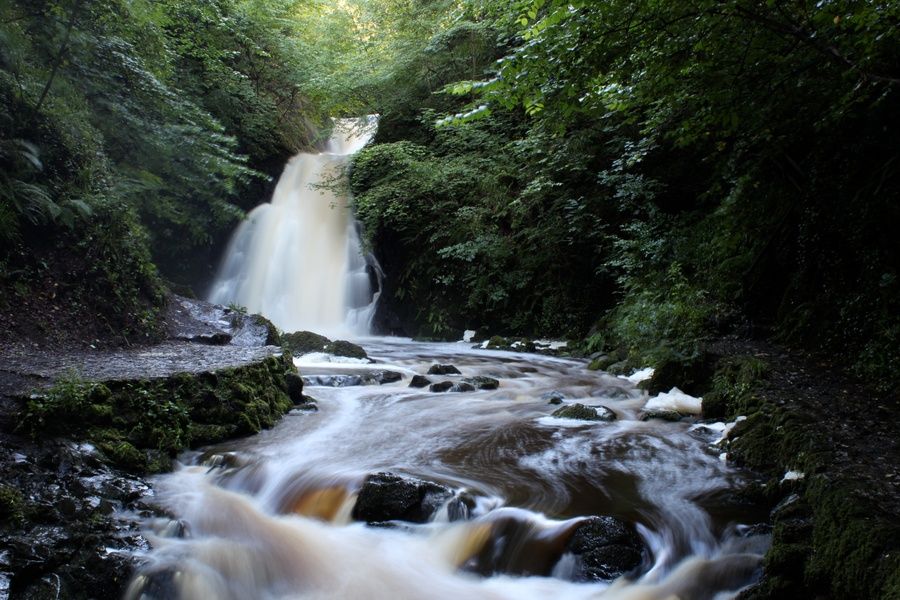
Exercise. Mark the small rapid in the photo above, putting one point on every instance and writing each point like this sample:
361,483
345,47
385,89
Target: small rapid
278,515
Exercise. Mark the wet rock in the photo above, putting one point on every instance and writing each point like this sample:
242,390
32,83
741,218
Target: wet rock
497,343
294,387
345,348
353,379
621,367
196,321
449,386
482,383
333,380
665,415
304,342
419,381
462,387
605,548
584,413
715,405
602,362
438,369
390,497
387,377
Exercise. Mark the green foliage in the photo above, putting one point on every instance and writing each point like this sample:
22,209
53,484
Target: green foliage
164,106
661,322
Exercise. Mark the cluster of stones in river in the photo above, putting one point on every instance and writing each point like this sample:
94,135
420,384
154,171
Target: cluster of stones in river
601,548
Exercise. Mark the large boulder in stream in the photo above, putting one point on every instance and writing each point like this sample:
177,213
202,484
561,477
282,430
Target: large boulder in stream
584,413
605,548
390,497
304,342
347,349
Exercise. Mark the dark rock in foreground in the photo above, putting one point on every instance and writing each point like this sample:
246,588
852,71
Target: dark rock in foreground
443,370
59,537
584,413
390,497
605,548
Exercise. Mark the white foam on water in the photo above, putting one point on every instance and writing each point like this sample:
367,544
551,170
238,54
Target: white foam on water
639,376
675,400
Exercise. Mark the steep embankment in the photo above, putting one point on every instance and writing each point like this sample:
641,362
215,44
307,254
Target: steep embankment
80,428
828,452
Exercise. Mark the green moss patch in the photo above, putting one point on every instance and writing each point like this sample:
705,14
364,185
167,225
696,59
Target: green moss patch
141,424
831,540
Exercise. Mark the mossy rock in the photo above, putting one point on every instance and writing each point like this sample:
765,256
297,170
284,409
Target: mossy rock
497,342
603,363
345,348
715,405
139,425
12,505
273,336
304,342
692,375
663,415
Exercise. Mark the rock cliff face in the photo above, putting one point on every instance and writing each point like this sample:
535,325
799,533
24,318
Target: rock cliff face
79,429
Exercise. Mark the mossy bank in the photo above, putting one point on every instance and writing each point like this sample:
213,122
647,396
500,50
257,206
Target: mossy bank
140,425
813,435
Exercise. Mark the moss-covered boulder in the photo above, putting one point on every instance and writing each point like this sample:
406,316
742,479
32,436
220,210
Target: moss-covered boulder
141,424
689,374
304,342
661,414
347,349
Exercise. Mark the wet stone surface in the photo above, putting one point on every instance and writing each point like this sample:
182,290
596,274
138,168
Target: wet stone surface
390,497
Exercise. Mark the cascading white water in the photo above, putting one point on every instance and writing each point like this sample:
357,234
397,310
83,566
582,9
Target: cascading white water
297,260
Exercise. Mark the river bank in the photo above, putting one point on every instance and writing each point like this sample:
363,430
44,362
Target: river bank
82,427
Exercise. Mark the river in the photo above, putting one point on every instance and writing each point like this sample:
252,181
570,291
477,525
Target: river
271,516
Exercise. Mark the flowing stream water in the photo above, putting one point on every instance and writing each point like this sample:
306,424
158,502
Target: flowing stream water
270,516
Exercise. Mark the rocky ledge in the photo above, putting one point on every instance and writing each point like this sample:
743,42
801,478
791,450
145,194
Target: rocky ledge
79,429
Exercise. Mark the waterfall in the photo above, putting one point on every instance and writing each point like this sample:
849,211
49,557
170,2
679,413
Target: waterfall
298,260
